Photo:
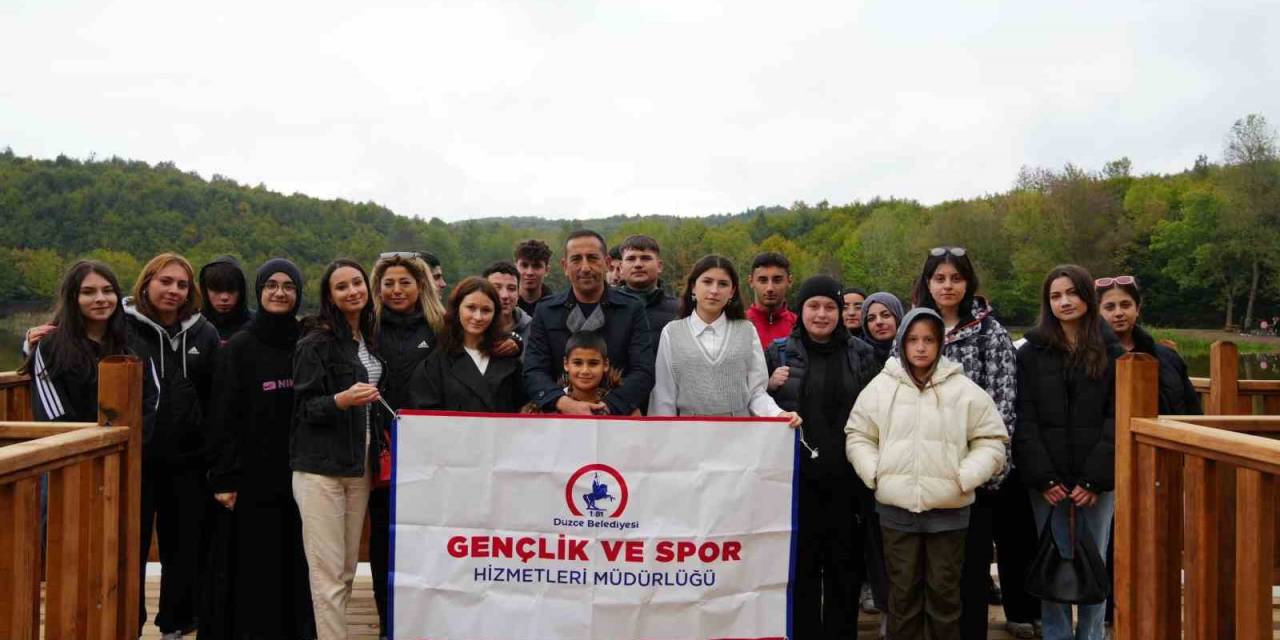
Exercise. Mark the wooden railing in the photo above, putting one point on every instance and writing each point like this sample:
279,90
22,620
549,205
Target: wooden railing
94,473
1224,393
1195,546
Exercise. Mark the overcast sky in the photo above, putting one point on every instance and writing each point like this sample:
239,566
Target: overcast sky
583,109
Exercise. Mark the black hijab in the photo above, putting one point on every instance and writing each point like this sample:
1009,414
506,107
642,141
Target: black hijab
277,330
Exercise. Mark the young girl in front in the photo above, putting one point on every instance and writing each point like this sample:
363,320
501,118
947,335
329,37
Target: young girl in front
923,436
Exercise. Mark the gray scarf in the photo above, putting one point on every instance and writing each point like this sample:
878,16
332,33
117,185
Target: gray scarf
578,322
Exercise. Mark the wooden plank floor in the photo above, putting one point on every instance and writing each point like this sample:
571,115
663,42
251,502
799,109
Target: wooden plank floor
362,619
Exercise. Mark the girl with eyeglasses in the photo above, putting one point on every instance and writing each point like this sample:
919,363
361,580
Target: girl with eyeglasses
258,586
974,338
1064,445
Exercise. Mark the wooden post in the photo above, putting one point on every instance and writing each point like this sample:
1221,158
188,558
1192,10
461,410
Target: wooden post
120,404
1137,389
1224,400
1200,560
1255,531
1224,382
1156,562
20,559
67,584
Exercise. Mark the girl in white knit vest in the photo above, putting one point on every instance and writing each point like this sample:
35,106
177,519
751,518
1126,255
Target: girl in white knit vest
709,359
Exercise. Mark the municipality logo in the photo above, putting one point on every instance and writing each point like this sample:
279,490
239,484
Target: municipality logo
597,489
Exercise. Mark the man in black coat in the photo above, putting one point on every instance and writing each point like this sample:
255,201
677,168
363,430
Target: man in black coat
589,305
641,267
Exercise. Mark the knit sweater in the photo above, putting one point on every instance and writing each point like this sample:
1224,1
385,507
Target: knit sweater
707,386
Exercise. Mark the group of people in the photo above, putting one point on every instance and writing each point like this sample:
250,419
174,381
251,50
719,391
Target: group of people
928,440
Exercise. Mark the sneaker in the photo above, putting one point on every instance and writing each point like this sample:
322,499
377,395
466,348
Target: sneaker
1024,630
868,600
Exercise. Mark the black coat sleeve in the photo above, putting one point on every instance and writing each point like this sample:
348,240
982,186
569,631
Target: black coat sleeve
1099,472
637,380
539,379
1029,452
426,385
227,420
313,400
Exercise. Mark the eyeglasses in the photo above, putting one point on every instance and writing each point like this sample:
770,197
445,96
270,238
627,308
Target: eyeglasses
1101,283
941,251
407,255
272,286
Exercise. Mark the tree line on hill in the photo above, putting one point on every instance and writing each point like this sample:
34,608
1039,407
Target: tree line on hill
1204,243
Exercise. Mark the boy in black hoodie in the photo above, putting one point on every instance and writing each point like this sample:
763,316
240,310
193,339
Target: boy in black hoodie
223,287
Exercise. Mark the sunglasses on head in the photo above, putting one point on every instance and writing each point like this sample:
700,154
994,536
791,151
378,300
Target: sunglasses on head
407,255
1107,282
940,251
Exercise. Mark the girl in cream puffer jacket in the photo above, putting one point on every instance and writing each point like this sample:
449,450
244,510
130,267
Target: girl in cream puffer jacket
923,449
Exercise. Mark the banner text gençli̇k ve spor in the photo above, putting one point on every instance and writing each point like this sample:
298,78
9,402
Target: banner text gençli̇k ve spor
569,527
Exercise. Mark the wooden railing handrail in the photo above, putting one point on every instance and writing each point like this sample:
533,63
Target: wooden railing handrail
1252,387
24,459
1239,449
33,430
13,378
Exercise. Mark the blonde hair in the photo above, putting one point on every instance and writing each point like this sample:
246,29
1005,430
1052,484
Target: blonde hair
149,271
428,297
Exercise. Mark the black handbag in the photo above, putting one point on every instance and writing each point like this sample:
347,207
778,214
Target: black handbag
1080,579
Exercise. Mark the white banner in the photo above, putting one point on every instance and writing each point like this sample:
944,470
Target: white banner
577,527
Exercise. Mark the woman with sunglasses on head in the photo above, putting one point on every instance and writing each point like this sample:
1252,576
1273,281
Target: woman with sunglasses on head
409,316
258,577
1065,441
1120,302
338,425
974,338
710,362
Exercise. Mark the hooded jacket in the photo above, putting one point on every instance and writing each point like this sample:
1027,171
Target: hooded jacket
925,449
183,356
404,342
1178,397
232,321
860,367
983,348
1066,420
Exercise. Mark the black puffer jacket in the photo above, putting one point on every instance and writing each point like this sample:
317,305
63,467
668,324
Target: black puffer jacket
658,306
1066,420
860,367
404,342
184,358
1177,395
326,440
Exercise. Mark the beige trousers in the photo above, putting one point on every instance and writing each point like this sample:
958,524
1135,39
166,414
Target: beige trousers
332,511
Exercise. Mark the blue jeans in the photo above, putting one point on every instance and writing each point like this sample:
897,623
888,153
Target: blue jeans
1096,521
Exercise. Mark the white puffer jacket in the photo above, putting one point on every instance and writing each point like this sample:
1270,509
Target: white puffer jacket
929,449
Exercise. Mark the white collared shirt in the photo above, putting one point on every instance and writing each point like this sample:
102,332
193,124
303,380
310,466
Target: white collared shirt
710,336
662,401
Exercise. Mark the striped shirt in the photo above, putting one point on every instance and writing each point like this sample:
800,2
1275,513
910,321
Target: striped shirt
373,368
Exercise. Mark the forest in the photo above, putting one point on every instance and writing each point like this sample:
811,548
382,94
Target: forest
1204,243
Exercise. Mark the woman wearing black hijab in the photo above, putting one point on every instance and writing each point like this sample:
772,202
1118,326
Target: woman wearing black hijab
261,583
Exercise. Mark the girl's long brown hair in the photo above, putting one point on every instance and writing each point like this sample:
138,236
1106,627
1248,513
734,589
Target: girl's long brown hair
452,340
1090,349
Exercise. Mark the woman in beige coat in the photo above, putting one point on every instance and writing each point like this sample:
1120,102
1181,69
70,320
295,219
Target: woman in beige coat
923,437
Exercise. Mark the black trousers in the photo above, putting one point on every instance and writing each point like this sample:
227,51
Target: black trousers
1001,518
175,499
924,583
828,560
379,551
